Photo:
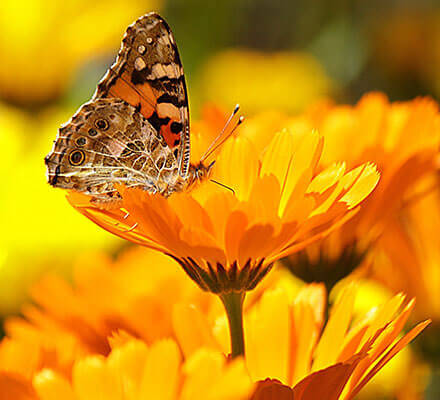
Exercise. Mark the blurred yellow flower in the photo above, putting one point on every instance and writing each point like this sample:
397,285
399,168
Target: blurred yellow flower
402,139
287,341
134,295
287,81
137,371
106,297
43,42
29,243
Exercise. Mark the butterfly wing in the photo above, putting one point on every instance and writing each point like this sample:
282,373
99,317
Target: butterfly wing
108,142
148,74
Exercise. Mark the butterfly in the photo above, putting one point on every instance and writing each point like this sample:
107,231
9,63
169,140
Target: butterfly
135,129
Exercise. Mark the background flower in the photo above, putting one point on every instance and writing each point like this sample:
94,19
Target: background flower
247,72
287,338
38,233
45,42
403,140
134,371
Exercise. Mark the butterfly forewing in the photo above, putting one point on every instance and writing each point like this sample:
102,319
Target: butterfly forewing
148,74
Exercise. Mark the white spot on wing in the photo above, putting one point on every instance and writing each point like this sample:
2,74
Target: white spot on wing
139,64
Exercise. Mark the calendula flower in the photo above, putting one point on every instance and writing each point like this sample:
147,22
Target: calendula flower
299,80
402,139
227,242
291,351
44,42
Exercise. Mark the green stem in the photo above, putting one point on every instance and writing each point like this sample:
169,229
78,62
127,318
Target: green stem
233,302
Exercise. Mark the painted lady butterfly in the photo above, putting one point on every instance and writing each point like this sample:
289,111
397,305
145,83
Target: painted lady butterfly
135,129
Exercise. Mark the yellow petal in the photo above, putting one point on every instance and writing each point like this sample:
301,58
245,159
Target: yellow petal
324,181
160,375
49,385
91,380
191,329
332,338
209,377
267,334
278,155
305,157
366,178
327,178
201,370
125,365
234,383
237,167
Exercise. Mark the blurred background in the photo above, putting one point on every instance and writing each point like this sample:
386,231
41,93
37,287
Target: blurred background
264,54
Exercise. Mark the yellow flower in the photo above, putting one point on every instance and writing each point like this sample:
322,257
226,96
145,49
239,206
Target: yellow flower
287,81
287,342
402,139
228,241
44,42
29,243
137,371
135,294
290,349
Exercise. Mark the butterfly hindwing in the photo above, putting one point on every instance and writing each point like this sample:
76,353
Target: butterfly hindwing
148,74
108,142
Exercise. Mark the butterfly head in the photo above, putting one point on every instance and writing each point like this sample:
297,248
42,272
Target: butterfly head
198,173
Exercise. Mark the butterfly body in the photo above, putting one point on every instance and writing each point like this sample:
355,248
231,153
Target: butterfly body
135,130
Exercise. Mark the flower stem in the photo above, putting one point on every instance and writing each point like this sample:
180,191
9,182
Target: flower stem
233,302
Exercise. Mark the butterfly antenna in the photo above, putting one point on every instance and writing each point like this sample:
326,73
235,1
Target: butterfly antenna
223,185
214,142
213,148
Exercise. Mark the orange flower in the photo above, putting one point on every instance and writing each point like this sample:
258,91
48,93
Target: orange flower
402,139
228,242
409,259
410,251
